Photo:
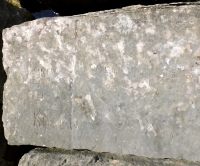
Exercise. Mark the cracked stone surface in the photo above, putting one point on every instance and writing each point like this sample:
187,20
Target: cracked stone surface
59,157
122,81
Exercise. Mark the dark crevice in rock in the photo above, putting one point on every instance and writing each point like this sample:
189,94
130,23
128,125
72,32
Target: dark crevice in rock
74,7
33,5
15,153
96,158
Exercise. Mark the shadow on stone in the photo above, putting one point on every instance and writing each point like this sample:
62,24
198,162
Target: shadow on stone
14,153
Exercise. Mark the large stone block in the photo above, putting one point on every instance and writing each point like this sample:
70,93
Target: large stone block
9,15
58,157
122,81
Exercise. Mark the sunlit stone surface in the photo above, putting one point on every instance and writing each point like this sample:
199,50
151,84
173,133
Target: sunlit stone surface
124,81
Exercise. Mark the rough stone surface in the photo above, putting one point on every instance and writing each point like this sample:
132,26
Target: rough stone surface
9,15
57,157
121,81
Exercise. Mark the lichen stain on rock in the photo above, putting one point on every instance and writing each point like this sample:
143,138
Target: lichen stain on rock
15,3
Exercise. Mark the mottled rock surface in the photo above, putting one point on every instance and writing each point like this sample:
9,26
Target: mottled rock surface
122,81
9,15
58,157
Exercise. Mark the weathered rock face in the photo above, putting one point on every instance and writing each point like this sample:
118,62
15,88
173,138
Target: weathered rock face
55,157
123,81
9,15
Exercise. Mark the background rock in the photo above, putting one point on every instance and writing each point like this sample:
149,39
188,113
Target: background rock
58,157
121,81
17,15
5,163
15,3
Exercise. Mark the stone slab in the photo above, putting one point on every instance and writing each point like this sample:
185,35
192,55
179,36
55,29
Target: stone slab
122,81
60,157
9,15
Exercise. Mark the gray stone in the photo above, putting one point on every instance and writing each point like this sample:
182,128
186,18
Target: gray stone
9,15
122,81
59,157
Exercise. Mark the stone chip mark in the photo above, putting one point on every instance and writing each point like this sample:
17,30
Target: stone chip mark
76,28
86,105
40,119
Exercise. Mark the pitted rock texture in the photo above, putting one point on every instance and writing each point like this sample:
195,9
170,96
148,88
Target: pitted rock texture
122,81
9,15
58,157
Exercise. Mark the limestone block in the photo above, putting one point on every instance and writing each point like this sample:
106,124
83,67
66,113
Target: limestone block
9,15
58,157
122,81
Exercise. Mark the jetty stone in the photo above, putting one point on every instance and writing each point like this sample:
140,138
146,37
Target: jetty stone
123,81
